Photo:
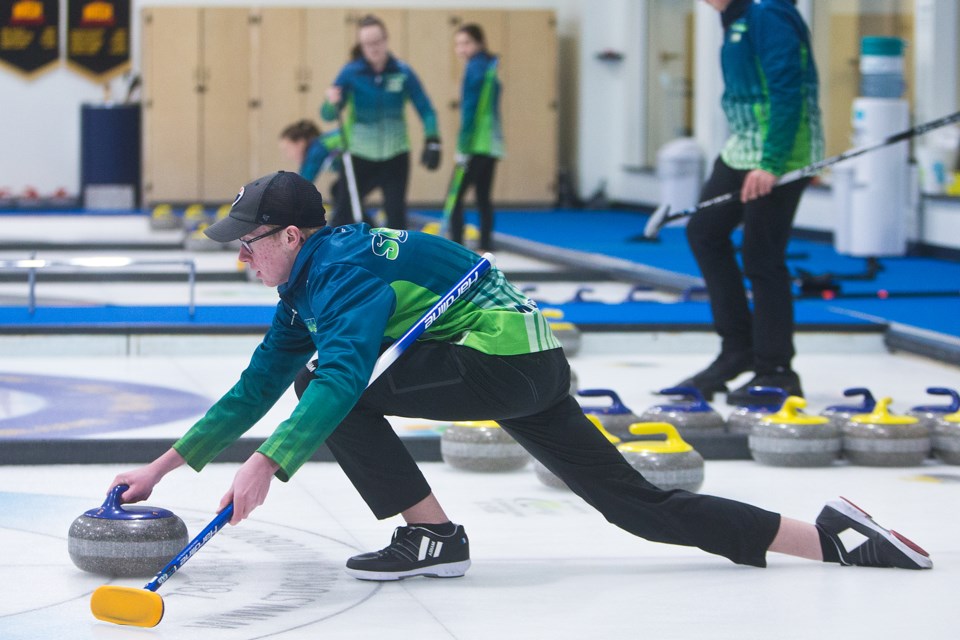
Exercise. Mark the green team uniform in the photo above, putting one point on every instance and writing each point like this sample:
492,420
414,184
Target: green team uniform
352,290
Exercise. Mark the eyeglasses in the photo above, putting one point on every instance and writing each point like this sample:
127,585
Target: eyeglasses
246,243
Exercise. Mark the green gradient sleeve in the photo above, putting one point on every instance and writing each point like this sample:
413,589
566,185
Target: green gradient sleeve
272,369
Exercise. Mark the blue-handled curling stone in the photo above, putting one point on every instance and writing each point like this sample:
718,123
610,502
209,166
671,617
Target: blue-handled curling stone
126,541
615,416
930,414
769,401
840,413
690,414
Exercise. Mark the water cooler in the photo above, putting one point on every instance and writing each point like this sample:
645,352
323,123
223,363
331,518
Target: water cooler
872,191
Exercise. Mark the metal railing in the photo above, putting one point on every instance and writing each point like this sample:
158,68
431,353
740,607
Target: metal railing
104,263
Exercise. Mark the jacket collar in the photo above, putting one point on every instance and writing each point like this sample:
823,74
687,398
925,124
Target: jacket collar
310,247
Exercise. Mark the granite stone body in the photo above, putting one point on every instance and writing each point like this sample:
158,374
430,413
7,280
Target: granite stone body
789,438
946,438
125,541
481,446
879,439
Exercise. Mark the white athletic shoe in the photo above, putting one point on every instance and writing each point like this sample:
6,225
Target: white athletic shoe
878,548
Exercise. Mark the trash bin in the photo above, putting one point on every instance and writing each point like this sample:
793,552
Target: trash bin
680,173
110,156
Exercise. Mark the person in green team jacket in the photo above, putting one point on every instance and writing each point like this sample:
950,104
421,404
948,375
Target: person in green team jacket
480,142
770,102
347,293
373,90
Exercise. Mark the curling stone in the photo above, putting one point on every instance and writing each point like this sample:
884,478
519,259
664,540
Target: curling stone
566,332
946,438
930,414
162,218
840,413
616,418
198,241
481,446
127,541
548,478
194,216
691,415
879,439
789,438
669,464
769,401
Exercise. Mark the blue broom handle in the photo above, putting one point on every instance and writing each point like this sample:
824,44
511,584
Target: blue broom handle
445,302
202,538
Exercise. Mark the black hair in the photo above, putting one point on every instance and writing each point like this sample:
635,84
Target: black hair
476,34
301,130
368,20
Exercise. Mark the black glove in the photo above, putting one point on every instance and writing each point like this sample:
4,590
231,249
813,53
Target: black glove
430,158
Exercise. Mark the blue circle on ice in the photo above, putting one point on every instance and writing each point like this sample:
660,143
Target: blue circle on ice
66,407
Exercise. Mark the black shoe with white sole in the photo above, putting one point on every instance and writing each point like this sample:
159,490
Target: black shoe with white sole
878,547
415,551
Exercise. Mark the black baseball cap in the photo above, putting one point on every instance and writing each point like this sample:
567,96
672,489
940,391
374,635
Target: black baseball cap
282,198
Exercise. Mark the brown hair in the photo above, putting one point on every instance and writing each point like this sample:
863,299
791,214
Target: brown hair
475,32
368,20
301,130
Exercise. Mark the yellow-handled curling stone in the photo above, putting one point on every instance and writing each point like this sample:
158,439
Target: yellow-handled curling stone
789,438
670,463
882,439
481,446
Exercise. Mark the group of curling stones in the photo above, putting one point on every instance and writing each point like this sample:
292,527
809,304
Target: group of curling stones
778,432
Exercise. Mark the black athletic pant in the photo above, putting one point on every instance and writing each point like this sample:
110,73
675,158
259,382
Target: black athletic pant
768,330
529,396
390,175
479,174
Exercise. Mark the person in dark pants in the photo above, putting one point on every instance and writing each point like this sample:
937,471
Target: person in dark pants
480,142
770,101
347,293
374,89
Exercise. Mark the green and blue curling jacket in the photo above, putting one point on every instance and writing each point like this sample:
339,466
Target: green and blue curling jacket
322,153
481,132
353,290
376,127
770,97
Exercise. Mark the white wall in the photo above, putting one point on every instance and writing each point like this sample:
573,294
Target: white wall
40,118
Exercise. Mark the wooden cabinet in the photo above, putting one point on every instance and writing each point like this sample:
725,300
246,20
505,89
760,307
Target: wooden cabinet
221,83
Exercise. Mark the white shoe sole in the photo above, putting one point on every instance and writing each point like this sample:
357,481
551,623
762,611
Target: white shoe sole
905,546
449,570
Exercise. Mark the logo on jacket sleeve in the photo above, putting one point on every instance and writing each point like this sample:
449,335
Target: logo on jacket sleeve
311,324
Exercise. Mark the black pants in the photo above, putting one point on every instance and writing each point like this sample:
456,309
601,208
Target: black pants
390,175
529,396
768,330
479,175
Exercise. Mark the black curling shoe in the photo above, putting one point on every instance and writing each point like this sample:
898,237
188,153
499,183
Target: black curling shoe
714,378
415,551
